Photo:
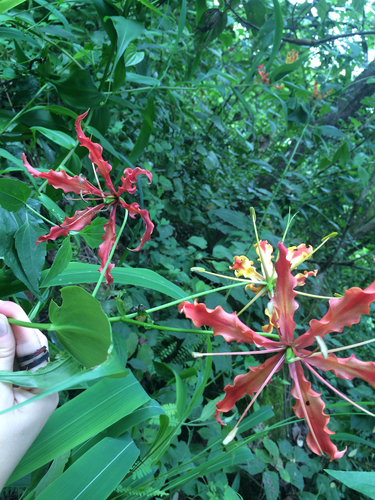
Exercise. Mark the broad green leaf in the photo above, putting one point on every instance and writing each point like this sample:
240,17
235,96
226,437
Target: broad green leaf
16,34
236,219
78,90
362,174
31,256
61,261
132,57
13,194
60,138
271,485
62,374
272,448
8,227
77,273
255,13
198,241
127,31
79,419
9,4
151,409
364,482
93,233
81,326
331,131
97,473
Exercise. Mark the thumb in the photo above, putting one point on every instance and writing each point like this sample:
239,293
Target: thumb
7,344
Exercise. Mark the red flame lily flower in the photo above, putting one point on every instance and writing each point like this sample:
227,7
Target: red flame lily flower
110,200
342,312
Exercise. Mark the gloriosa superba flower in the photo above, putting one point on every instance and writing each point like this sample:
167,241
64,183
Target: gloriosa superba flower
342,312
109,200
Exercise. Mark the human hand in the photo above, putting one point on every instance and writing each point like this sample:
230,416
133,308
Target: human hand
19,428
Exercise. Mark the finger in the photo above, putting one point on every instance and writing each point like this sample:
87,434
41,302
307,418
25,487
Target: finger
28,340
7,345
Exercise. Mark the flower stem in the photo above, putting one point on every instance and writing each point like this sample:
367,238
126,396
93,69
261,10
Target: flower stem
243,280
315,296
40,326
239,353
151,326
189,297
261,292
110,254
39,215
334,350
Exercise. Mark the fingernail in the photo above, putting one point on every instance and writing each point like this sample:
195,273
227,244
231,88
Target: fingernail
4,325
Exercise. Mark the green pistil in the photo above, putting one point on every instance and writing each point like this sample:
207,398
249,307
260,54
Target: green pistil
109,200
289,355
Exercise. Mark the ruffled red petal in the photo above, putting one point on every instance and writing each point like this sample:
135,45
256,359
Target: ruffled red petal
301,278
283,301
80,219
131,178
225,324
95,155
105,248
346,368
133,210
309,405
345,311
246,384
61,180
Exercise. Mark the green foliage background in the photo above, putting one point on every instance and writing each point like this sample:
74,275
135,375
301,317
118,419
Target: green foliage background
173,87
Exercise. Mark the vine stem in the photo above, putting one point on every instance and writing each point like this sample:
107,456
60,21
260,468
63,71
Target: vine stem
110,255
41,326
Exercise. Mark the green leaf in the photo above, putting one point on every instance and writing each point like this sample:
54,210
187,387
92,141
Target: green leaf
13,194
9,4
93,233
17,161
8,227
331,131
154,9
272,448
283,70
198,241
236,219
60,138
31,256
79,419
295,476
345,436
363,175
144,133
364,482
97,473
255,13
61,374
16,34
271,485
52,207
127,31
61,261
278,34
78,90
81,326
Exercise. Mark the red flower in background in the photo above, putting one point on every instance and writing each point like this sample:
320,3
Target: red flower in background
109,200
342,312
